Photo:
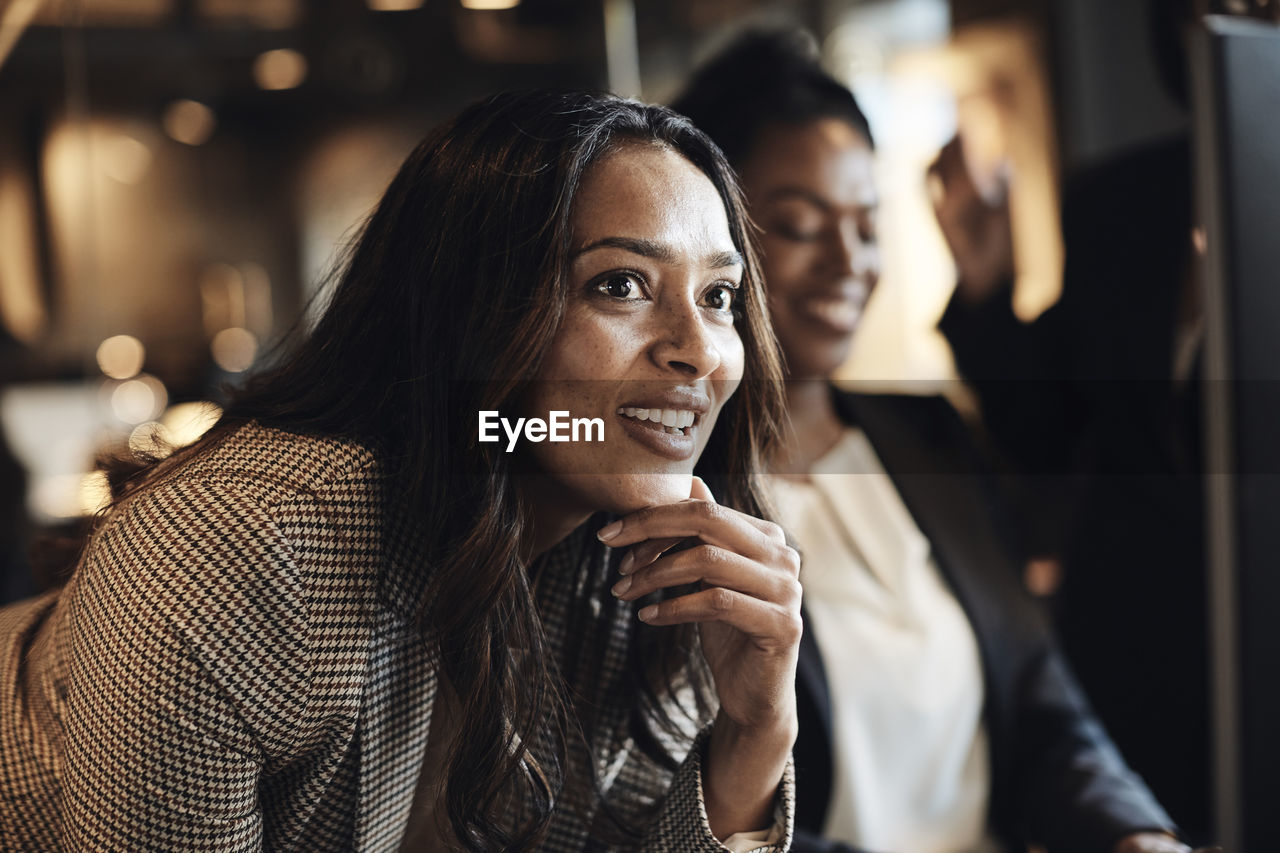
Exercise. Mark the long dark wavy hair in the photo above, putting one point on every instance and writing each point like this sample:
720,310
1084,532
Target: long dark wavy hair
444,306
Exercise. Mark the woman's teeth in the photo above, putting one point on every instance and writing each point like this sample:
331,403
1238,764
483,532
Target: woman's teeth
841,313
674,421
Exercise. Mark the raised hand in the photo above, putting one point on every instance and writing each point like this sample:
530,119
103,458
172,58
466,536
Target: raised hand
748,610
977,229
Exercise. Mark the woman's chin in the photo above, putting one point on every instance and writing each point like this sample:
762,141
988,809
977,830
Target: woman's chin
624,493
643,490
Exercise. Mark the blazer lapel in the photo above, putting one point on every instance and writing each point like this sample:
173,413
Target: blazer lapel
812,751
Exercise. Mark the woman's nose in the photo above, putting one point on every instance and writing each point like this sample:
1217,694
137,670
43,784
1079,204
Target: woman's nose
850,255
683,341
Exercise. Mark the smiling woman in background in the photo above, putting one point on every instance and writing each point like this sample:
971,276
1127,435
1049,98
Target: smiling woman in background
936,713
340,622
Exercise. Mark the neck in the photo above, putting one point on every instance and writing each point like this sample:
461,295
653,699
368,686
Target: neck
814,426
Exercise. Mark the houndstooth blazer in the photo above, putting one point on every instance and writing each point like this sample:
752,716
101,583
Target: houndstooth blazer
234,667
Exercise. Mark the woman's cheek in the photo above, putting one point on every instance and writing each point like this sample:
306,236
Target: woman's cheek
733,363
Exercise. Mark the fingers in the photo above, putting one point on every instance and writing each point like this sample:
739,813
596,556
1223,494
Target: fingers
708,521
645,553
955,194
713,566
700,491
738,559
767,622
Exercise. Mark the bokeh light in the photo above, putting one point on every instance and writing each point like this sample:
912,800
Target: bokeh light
189,122
280,69
234,349
121,356
185,422
150,439
94,493
139,400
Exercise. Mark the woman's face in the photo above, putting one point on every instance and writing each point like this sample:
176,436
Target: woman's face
648,342
811,189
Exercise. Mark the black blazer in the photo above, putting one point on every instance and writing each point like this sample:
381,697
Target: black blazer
1056,779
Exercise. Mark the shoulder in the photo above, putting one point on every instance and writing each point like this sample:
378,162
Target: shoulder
256,556
250,505
254,506
276,464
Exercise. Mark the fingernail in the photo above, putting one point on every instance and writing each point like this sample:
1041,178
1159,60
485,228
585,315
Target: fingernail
620,588
608,532
647,613
628,562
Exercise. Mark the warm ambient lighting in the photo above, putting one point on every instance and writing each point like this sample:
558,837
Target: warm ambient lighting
179,426
394,5
66,496
490,5
121,356
183,423
234,349
125,158
139,400
280,69
189,122
94,495
150,440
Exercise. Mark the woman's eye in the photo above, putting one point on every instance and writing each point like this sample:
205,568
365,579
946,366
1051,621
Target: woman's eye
620,287
796,233
721,297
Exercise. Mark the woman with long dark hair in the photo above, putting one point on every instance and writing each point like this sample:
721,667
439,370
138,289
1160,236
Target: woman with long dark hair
349,619
937,714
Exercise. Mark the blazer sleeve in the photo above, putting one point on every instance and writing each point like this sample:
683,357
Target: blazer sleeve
1079,796
178,615
1023,376
682,822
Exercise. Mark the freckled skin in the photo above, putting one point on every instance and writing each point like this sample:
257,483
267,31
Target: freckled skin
812,189
673,331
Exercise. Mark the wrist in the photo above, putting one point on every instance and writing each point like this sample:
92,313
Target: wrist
742,770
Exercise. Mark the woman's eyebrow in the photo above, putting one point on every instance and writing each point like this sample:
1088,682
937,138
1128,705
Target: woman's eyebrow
636,245
661,252
725,259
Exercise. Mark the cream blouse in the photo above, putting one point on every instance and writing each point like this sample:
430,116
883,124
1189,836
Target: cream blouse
911,762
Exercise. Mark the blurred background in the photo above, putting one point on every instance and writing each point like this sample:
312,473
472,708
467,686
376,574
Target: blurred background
176,176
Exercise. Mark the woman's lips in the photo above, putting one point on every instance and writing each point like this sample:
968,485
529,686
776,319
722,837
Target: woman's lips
669,436
839,314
